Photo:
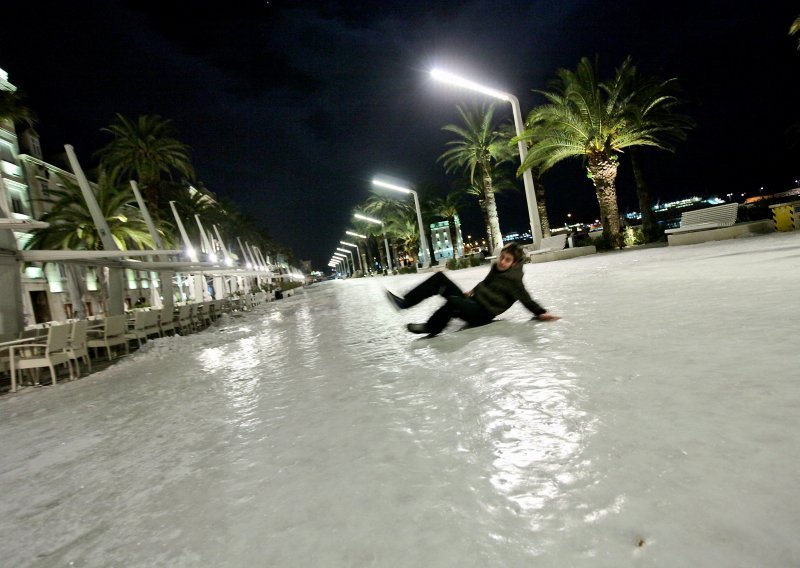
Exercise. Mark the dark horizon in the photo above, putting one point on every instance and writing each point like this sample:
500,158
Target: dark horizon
291,108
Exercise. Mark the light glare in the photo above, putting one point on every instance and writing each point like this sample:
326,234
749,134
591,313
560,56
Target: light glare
452,79
365,218
390,186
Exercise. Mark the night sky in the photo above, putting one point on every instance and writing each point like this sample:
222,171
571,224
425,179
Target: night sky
291,108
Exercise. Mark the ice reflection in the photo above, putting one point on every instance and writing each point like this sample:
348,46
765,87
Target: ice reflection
534,426
237,364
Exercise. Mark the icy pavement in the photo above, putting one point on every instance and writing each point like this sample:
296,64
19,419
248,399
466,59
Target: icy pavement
655,425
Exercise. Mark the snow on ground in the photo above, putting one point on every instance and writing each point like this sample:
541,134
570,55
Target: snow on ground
654,425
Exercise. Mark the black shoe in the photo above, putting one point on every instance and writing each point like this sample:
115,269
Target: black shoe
418,327
398,302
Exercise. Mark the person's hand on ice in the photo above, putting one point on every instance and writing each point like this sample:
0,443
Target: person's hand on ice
547,316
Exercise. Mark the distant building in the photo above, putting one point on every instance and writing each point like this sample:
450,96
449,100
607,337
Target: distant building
441,239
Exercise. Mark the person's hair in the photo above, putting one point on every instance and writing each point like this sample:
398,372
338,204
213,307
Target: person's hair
515,250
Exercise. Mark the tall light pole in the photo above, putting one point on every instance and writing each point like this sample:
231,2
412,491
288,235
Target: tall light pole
527,177
355,246
360,236
352,260
426,261
383,230
342,258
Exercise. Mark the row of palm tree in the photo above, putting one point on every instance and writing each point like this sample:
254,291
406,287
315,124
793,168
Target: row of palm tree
146,150
595,121
584,117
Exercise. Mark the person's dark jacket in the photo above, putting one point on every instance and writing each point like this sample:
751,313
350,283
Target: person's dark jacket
499,290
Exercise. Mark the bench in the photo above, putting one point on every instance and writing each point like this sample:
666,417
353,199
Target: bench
715,217
549,244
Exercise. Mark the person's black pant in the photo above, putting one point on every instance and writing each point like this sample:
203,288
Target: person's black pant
457,306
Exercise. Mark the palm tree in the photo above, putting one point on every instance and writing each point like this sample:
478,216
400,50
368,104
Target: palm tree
795,29
12,107
538,187
145,148
588,119
478,149
405,231
72,226
651,109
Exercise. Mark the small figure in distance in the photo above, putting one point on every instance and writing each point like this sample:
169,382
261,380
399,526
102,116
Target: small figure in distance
494,295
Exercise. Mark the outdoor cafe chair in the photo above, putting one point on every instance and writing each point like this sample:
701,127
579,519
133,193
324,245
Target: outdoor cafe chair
136,328
165,321
110,334
41,353
185,319
76,348
151,328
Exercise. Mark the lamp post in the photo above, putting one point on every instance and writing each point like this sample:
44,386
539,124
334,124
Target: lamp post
343,259
527,177
355,246
352,260
360,236
337,262
383,230
426,262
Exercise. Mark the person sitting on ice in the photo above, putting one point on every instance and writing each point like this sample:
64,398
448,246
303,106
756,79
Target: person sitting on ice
490,298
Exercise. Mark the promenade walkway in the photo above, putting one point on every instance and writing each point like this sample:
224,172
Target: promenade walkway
654,425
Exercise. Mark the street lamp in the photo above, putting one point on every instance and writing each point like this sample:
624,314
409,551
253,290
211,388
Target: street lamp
342,258
527,177
383,230
360,236
355,246
352,260
422,240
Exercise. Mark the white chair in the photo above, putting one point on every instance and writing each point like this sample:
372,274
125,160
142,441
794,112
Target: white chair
194,310
76,348
137,327
185,319
112,333
165,321
151,328
38,355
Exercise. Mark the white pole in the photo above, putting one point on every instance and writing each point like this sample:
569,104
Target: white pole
115,275
386,243
190,251
166,287
204,239
91,201
527,177
426,261
225,254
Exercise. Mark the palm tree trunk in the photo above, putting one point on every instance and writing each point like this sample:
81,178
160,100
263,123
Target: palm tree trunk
603,171
491,213
485,215
381,252
541,203
494,222
77,289
451,225
649,223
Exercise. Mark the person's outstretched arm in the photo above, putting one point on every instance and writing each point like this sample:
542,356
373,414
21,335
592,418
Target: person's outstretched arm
533,306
